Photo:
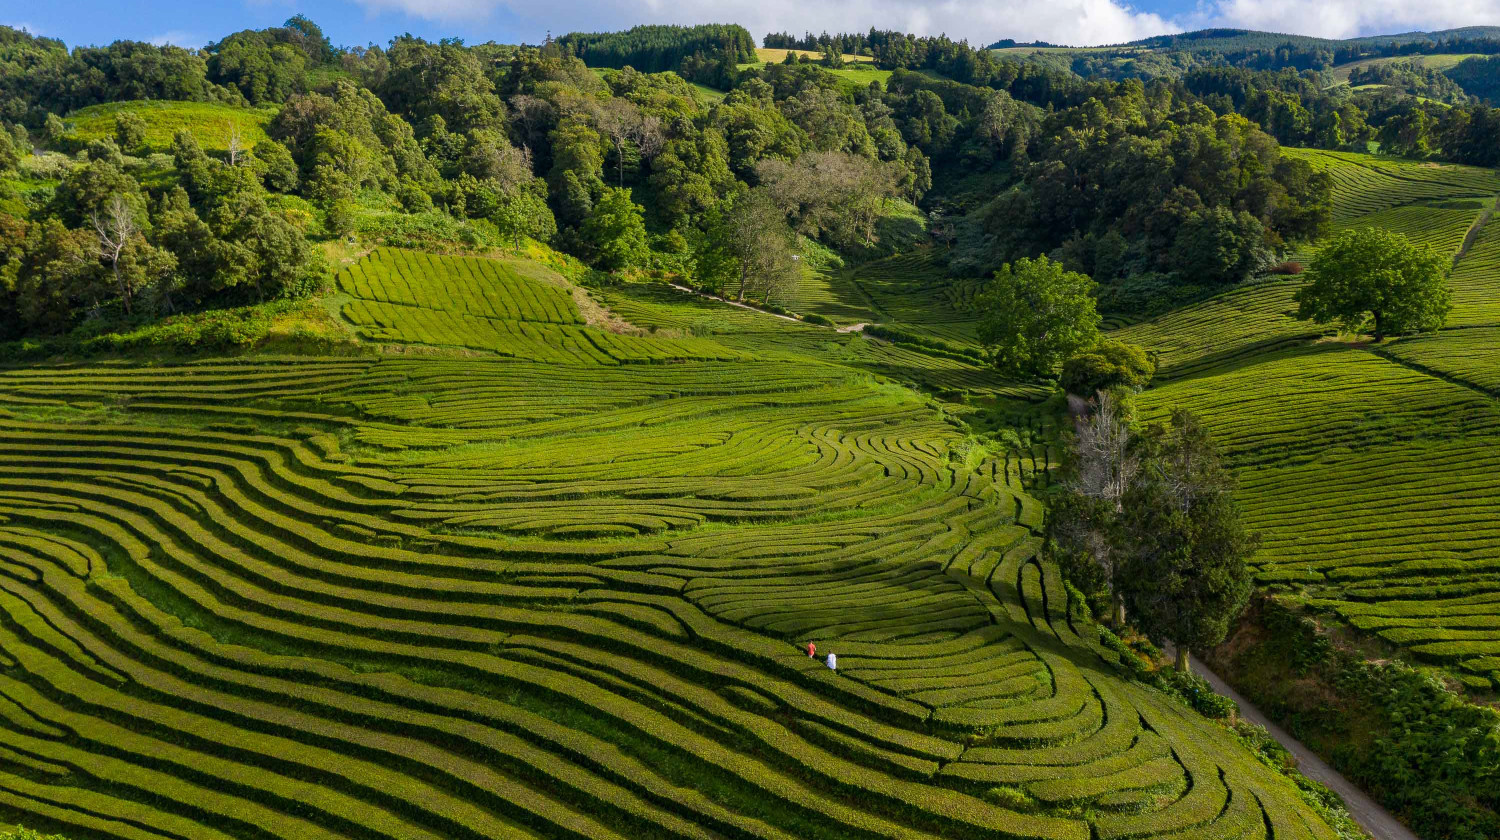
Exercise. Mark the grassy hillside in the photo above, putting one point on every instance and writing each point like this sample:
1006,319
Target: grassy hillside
1369,468
487,592
211,124
1443,61
858,70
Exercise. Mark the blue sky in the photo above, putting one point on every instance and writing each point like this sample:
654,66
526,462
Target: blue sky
357,22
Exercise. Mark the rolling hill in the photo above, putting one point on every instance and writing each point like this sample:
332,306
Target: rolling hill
517,576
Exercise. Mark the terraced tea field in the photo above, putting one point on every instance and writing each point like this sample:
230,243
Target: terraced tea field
1372,471
1366,184
411,297
490,596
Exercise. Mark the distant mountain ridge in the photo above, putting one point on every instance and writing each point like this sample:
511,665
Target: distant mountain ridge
1228,38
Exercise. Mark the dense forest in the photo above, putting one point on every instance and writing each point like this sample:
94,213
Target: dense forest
1159,189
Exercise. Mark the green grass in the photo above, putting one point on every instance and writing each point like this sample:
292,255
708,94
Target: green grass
210,123
1441,62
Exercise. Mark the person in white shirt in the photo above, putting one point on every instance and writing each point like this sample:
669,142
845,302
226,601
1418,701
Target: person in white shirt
833,661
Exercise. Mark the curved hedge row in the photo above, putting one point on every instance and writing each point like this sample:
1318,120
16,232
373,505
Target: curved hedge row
489,598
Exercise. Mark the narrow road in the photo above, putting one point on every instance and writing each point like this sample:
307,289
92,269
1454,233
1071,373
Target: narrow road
1370,815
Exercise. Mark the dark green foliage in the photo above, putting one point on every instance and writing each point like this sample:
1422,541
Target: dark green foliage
1201,199
1106,366
524,213
1412,78
1479,77
1418,748
653,48
39,75
345,140
1183,574
615,232
1034,315
278,168
1375,275
269,65
424,80
130,131
1196,692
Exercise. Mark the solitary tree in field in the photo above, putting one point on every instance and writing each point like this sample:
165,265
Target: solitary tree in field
1035,314
1182,571
1373,275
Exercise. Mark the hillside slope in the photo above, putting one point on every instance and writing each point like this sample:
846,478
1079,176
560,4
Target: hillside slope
1369,468
429,594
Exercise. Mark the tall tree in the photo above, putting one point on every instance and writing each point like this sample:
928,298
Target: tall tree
615,231
1371,274
1035,314
1184,575
1083,517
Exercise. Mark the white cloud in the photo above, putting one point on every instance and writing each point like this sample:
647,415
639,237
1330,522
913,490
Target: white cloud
1076,22
980,21
24,27
1350,18
178,38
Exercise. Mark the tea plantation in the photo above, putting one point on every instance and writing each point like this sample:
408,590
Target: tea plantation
558,582
1371,470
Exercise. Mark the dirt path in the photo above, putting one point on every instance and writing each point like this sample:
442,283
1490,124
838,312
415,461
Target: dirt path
1370,815
734,303
859,328
1474,231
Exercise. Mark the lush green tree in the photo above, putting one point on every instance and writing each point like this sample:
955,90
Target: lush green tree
1034,315
1184,547
348,131
1372,274
86,190
1218,246
833,195
1106,366
339,218
443,79
1083,516
1408,134
755,232
59,277
201,257
277,168
10,153
488,154
195,169
755,129
692,174
264,66
615,232
53,129
130,131
522,213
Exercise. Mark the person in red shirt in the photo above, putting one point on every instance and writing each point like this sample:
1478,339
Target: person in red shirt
812,650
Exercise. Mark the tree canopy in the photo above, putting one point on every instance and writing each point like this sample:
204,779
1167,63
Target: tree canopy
1376,278
1034,314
